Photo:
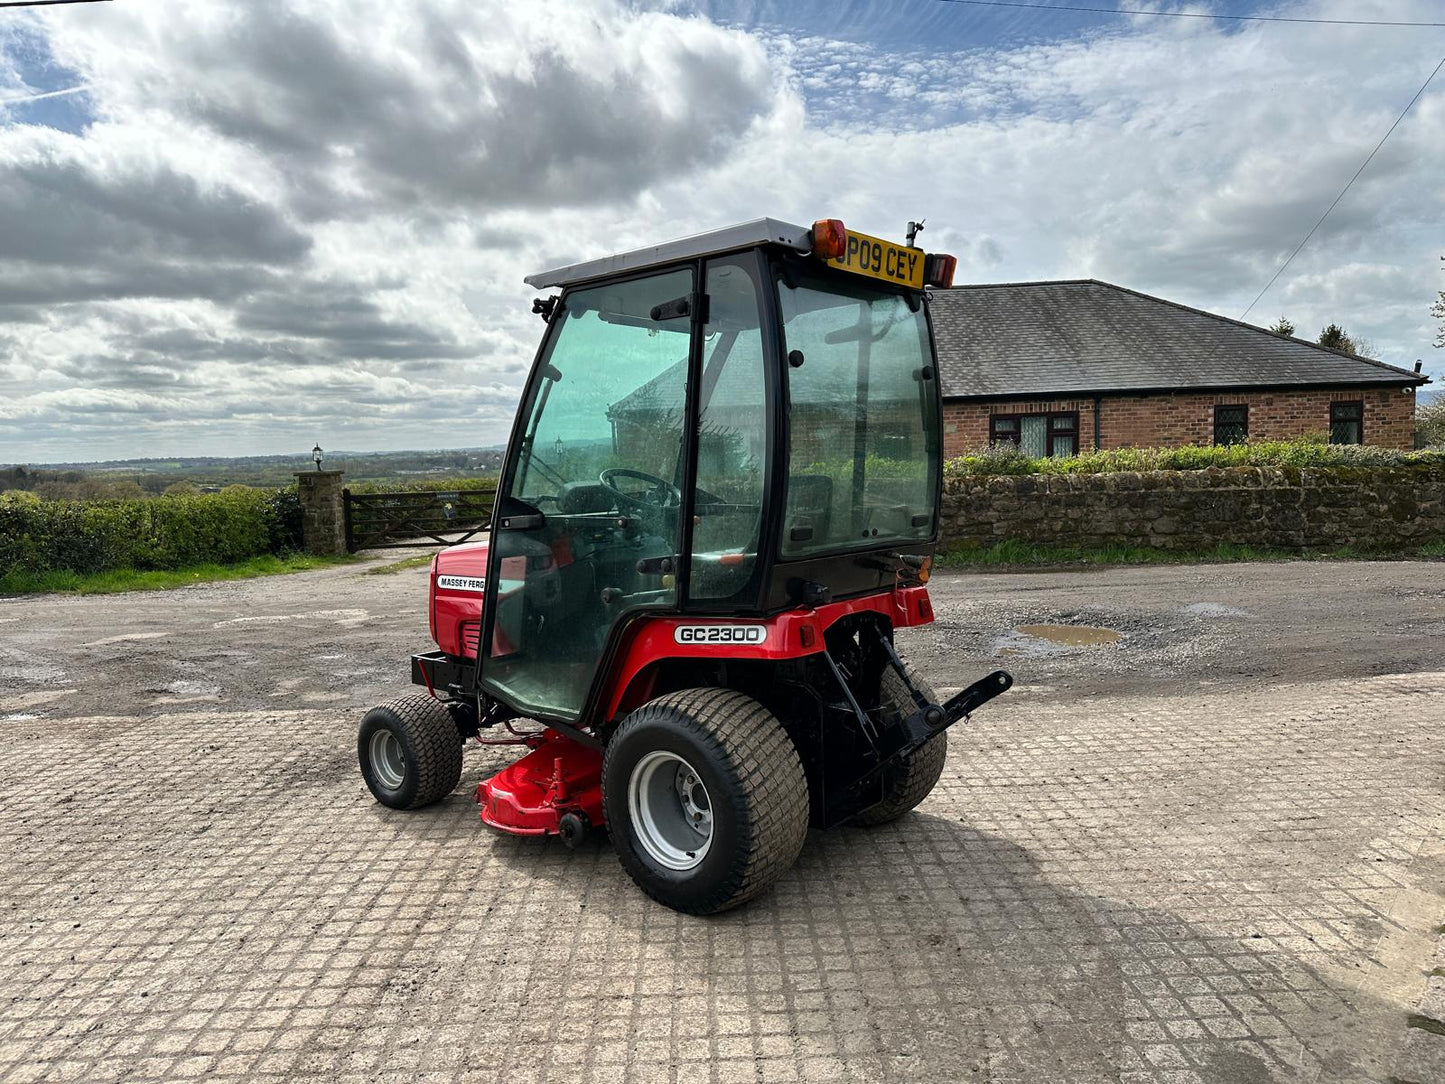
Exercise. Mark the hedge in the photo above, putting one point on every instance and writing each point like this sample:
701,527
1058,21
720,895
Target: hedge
1305,452
162,533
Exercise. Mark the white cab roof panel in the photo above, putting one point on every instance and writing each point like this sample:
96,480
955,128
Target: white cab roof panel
729,238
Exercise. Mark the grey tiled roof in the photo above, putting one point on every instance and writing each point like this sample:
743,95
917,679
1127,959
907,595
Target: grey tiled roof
1047,338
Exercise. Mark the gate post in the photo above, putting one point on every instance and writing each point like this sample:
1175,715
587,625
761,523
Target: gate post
323,523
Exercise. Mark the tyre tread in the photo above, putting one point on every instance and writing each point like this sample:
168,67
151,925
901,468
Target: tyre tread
436,743
920,771
771,801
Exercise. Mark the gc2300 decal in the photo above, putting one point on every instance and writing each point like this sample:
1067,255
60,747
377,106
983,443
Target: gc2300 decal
720,634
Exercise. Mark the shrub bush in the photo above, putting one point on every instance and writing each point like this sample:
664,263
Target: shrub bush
1304,452
162,533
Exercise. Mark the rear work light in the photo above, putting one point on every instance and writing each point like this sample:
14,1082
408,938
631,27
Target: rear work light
830,239
938,269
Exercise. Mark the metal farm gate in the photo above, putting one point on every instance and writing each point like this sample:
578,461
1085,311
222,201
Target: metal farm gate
376,521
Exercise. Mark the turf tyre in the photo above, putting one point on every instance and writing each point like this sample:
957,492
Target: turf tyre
756,787
910,781
426,761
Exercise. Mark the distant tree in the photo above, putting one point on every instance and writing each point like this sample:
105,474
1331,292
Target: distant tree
182,489
1437,310
1282,326
127,489
1335,337
1430,425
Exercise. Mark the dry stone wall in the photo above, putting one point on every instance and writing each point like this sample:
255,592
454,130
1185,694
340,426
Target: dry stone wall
1283,508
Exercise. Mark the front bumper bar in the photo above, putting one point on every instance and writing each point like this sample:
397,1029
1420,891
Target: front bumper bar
442,673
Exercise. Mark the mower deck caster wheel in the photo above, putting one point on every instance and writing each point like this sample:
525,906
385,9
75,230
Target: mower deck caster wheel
574,828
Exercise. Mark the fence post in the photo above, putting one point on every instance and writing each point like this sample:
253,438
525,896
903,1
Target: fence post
323,524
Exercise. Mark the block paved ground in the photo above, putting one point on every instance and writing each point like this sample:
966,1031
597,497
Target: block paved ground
1134,868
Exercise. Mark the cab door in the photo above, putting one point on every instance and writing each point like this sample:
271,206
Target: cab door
589,513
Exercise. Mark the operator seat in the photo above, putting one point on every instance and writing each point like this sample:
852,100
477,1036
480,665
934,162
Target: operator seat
580,498
810,504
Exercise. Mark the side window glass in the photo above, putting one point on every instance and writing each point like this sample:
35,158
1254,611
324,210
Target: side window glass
599,459
732,435
862,419
613,399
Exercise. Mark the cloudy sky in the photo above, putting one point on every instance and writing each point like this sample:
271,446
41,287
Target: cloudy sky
242,227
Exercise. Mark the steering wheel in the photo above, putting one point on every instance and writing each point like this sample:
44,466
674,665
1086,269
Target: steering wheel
661,494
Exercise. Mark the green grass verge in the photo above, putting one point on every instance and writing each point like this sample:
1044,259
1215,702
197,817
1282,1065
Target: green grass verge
1014,554
129,579
420,561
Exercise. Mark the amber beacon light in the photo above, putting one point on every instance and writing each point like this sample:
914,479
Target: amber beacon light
938,269
830,239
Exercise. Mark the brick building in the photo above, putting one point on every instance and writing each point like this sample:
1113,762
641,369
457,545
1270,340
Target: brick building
1061,367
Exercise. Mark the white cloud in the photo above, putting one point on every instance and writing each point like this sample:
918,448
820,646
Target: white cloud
292,220
272,219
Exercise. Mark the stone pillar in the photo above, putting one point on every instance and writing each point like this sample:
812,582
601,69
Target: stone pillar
323,513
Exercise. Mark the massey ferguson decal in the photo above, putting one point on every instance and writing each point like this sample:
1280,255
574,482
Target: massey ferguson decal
474,584
720,634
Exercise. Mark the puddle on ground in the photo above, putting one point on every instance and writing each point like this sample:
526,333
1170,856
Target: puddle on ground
125,639
1071,635
1212,609
347,618
185,688
1048,641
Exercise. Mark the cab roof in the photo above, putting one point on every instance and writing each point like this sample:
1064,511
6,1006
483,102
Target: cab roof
759,231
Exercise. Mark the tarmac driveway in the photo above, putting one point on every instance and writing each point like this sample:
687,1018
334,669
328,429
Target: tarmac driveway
1208,850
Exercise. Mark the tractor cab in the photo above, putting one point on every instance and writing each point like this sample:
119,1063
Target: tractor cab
722,486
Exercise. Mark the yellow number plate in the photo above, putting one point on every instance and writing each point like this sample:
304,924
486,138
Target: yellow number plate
879,259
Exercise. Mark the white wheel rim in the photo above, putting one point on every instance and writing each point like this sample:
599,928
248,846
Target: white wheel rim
387,759
671,810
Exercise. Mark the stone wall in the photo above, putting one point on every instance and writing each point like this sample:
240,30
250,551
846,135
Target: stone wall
1174,419
1283,508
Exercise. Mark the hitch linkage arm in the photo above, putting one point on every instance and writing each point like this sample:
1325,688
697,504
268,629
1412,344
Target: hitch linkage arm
960,705
856,784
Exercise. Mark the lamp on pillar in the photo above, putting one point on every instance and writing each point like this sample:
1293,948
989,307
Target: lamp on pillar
323,507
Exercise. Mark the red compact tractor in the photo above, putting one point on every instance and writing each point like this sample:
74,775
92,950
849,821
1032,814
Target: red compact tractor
719,503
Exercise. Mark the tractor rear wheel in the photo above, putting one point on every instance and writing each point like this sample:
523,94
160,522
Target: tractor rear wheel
908,782
410,751
706,799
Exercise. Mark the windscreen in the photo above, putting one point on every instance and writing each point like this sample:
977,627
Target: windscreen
864,442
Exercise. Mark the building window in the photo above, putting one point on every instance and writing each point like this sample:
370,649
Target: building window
1231,424
1037,435
1347,423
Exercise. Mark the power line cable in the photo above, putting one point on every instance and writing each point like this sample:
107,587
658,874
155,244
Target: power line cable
1184,14
1347,187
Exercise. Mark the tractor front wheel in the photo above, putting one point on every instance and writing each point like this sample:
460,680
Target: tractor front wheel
410,751
706,799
